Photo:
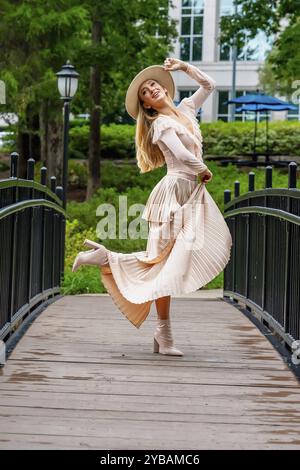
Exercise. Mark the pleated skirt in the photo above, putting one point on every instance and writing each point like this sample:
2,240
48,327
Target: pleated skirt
188,245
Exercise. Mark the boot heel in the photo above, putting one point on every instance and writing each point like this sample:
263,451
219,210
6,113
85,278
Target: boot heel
91,244
155,346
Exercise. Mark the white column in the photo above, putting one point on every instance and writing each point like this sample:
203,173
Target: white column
209,54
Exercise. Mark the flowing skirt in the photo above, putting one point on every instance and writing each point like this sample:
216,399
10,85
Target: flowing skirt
188,245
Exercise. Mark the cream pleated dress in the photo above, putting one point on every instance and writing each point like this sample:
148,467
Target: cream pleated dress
189,242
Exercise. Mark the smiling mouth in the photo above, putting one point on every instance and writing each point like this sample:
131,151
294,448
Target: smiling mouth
155,94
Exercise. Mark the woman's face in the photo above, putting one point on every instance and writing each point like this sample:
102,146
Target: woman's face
152,94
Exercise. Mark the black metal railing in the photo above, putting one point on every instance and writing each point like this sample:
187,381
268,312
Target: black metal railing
263,271
32,240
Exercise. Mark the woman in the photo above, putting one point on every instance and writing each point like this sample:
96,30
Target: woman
189,241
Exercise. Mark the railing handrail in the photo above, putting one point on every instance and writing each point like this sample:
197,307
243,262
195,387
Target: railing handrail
295,219
18,206
291,192
22,183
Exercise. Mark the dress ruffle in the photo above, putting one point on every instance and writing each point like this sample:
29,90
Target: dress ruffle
165,122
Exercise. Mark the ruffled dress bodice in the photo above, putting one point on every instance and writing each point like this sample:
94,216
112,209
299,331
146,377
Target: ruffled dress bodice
192,141
183,157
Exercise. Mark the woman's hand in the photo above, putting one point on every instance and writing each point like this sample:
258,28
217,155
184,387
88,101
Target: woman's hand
174,64
206,176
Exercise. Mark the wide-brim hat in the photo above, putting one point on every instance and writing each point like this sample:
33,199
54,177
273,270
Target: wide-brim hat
155,72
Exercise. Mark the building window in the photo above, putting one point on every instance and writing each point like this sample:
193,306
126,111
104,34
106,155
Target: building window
224,109
253,49
191,30
186,94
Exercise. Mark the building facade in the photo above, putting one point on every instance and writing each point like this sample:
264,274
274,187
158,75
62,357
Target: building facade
198,28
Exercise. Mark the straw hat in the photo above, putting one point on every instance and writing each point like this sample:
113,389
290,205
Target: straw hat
154,72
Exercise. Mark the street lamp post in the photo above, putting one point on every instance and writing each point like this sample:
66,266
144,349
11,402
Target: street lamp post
67,81
234,57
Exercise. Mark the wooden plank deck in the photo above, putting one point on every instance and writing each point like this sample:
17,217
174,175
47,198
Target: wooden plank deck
83,377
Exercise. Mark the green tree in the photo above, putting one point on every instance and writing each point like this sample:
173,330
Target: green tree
280,18
107,41
36,37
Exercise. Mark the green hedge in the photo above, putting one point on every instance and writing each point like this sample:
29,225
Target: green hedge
117,141
236,138
219,138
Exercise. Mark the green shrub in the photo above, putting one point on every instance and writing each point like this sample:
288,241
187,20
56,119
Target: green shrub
117,141
237,138
219,138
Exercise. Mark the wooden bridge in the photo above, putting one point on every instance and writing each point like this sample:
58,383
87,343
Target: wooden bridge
82,377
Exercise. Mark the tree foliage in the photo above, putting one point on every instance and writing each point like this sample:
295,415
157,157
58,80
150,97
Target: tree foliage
280,18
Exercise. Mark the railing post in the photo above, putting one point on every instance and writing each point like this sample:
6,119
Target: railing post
43,178
268,184
292,175
13,174
227,197
268,177
14,156
30,169
236,194
53,183
292,184
251,187
53,189
30,176
59,192
42,266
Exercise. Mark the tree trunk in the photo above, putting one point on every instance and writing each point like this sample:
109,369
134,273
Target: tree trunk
23,150
51,142
44,132
28,140
94,174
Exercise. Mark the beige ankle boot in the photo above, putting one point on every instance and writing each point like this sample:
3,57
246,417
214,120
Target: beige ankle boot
163,341
92,257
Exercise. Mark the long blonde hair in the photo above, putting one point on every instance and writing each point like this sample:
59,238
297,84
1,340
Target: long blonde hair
148,155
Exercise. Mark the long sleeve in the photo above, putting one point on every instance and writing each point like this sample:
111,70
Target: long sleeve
171,140
207,83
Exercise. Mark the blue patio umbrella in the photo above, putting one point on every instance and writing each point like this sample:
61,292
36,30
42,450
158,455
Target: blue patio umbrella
257,98
257,102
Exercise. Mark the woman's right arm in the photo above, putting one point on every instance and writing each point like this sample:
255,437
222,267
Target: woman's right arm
208,84
171,140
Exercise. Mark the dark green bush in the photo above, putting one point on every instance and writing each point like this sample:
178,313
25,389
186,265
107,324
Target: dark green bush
117,141
219,138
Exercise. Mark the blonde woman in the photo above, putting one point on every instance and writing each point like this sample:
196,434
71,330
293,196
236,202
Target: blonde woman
189,242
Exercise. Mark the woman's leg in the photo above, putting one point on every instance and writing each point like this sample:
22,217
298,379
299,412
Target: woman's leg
163,307
163,339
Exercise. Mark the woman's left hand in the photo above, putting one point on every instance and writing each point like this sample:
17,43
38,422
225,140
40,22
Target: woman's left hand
173,64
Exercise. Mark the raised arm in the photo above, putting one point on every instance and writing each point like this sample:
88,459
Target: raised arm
171,140
207,83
